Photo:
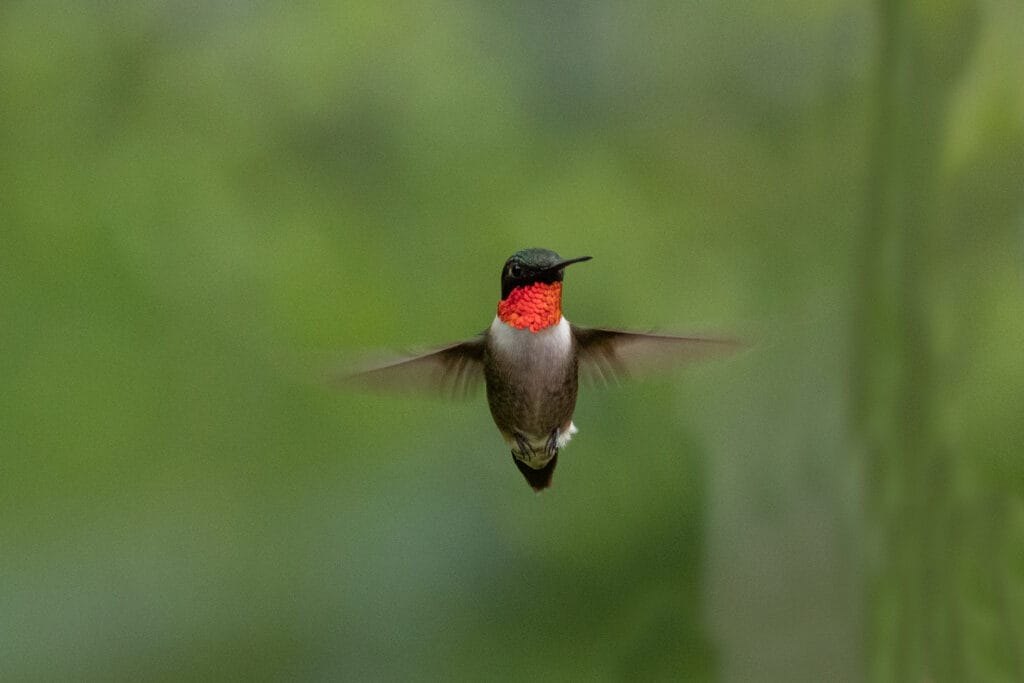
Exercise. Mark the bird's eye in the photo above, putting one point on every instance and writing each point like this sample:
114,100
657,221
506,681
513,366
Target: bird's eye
515,270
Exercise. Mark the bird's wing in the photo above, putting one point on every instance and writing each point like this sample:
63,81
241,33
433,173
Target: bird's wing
452,371
612,355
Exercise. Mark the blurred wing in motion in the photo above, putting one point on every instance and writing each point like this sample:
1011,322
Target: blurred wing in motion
452,371
614,355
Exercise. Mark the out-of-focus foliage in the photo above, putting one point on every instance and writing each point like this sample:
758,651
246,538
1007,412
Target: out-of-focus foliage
205,204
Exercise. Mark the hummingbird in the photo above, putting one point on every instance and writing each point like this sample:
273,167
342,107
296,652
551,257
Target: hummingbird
530,359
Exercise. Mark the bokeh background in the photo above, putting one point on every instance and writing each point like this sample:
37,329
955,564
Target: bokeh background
204,204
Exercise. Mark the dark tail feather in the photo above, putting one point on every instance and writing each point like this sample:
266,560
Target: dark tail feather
538,479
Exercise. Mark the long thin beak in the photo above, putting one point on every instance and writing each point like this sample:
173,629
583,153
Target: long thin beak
566,262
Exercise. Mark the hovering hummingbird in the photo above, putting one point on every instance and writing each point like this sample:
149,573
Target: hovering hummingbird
530,358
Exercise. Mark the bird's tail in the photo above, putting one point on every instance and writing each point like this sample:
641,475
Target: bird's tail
539,479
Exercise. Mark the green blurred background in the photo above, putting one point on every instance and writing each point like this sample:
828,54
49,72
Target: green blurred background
202,204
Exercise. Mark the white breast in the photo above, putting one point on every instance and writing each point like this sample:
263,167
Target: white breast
547,348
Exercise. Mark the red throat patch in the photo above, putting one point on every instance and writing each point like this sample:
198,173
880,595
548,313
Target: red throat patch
534,306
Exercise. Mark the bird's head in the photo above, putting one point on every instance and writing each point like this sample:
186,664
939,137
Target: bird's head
531,288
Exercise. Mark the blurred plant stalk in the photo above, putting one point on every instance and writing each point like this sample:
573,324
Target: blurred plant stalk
918,542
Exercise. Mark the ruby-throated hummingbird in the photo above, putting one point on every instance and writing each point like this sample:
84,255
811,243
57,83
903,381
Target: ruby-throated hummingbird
530,358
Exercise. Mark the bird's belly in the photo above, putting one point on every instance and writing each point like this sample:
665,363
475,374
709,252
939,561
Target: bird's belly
531,385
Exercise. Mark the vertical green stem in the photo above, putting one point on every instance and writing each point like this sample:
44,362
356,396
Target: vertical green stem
912,597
